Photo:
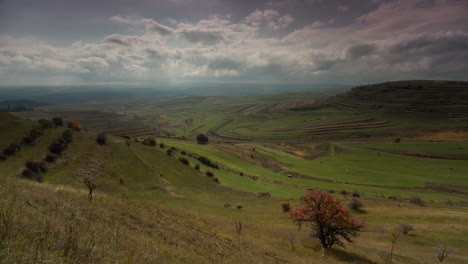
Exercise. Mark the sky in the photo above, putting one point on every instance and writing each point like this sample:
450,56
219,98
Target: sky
88,42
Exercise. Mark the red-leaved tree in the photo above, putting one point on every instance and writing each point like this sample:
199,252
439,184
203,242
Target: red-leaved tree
329,220
74,125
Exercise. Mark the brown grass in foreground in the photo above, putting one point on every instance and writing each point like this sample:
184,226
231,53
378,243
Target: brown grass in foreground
41,223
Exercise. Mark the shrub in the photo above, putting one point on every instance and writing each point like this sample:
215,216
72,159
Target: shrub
74,125
355,204
50,157
67,136
328,219
416,200
33,135
209,174
169,152
31,175
28,174
264,194
161,145
397,140
3,157
184,161
343,192
197,167
11,149
356,194
28,140
150,141
216,180
45,124
394,196
404,228
36,166
239,206
285,207
101,139
202,139
183,153
58,146
57,121
206,161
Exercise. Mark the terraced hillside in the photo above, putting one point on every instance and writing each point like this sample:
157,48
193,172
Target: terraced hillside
98,121
427,99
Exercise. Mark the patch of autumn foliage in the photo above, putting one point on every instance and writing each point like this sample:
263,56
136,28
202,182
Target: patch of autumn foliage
75,125
328,219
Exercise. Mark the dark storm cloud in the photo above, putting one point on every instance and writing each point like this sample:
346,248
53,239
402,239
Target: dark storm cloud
360,50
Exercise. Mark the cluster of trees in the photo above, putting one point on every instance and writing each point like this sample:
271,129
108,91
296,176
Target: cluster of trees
149,141
34,169
59,145
206,161
32,136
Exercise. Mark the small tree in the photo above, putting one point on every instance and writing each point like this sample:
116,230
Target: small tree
328,218
442,251
150,141
202,139
184,161
45,124
58,146
285,207
91,186
388,256
57,121
405,228
101,139
74,125
67,136
355,204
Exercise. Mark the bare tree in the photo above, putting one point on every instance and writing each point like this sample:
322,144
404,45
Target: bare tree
388,256
292,239
91,186
442,251
239,227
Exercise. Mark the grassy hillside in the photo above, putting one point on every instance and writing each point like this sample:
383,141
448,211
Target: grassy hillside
150,207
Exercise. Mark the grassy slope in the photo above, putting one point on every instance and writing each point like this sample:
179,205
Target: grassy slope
359,166
12,128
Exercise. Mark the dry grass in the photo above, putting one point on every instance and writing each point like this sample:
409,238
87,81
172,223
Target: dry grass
41,223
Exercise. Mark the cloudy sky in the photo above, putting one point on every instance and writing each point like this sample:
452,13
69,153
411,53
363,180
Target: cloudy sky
55,42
